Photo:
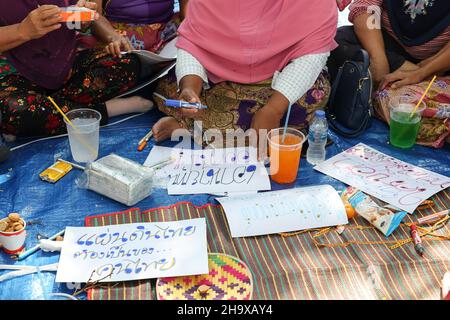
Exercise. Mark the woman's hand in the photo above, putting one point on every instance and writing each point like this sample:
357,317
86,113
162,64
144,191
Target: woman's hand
117,45
399,79
39,22
189,95
267,118
88,5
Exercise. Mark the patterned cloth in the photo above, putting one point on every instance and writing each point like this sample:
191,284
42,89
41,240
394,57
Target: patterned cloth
294,268
151,37
228,279
6,68
293,81
435,124
95,78
232,105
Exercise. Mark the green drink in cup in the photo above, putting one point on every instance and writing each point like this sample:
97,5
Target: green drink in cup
405,121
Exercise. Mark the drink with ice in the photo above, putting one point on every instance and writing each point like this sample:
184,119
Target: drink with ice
84,135
404,123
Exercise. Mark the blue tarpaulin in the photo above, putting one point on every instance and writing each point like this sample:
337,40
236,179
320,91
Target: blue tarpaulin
49,208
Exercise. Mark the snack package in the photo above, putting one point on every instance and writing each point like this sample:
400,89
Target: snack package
77,14
55,172
381,218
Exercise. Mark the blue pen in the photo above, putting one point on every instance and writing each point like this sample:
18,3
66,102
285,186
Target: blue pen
183,104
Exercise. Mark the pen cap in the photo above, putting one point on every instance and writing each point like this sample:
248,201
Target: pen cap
172,103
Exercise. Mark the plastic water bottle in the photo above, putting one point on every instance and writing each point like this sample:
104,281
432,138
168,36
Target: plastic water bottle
317,138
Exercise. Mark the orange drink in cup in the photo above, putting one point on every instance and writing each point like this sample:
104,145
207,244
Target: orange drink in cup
285,155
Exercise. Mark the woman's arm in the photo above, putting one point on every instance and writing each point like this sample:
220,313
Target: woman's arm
438,64
191,76
10,37
183,8
289,86
99,4
104,32
372,41
366,18
38,23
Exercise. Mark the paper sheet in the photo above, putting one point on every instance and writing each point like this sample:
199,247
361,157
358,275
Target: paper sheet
210,170
134,251
284,211
396,182
168,53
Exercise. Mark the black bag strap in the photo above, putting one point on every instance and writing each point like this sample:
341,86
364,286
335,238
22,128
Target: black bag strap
365,59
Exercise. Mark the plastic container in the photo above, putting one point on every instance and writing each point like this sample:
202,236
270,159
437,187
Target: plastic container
285,155
84,136
317,139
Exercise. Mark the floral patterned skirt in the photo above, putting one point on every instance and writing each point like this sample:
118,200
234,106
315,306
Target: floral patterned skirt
95,78
232,105
435,124
151,37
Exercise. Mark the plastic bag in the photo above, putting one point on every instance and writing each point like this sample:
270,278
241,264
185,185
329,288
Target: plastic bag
118,178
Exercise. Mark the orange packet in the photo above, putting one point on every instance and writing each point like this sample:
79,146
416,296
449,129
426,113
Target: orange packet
77,14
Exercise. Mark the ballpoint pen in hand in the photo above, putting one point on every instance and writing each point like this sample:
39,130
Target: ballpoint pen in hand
184,104
180,103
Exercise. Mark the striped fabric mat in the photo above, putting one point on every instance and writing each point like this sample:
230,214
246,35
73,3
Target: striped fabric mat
294,268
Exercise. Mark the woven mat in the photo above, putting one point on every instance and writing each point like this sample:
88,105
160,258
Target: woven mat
294,268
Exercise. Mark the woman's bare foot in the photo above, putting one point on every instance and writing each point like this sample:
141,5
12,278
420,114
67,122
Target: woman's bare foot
163,129
136,104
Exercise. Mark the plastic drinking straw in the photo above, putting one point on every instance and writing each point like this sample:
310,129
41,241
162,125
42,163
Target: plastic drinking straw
286,123
62,113
76,166
37,247
423,97
93,152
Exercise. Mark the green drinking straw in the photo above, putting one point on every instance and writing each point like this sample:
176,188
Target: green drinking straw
286,123
423,97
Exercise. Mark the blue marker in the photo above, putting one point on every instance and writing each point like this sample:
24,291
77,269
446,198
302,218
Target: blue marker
183,104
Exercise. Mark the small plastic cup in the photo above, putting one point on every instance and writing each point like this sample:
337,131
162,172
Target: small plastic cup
285,155
84,138
13,242
405,121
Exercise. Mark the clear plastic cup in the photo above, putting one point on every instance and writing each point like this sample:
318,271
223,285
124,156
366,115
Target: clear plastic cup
84,136
285,155
405,121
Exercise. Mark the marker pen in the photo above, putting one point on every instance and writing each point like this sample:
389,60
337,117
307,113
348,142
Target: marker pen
183,104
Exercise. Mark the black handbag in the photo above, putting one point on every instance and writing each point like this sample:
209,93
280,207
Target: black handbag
350,109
